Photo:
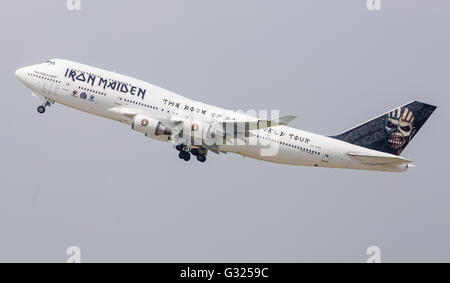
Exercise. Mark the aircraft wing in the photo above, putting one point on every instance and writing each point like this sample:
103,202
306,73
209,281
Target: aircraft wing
379,159
259,124
233,128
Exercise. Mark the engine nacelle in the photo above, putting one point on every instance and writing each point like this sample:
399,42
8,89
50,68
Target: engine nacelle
197,132
150,126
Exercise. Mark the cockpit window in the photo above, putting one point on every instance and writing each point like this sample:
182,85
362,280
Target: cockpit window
50,62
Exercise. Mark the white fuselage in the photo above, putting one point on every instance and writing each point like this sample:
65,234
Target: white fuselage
112,96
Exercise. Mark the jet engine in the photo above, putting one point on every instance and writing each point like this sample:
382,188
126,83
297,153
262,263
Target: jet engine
197,132
150,126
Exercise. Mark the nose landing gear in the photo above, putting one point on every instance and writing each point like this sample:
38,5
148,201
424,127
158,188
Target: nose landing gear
41,108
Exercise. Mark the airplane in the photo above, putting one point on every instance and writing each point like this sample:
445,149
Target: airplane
195,128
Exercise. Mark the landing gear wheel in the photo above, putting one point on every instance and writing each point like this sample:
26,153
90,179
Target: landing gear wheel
179,147
201,158
41,109
184,155
195,152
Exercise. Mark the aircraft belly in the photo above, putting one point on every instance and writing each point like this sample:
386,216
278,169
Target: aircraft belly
275,155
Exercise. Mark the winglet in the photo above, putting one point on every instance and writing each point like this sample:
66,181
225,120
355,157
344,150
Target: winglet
286,119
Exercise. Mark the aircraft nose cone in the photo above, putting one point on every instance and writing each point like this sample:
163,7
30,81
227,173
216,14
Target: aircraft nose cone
20,74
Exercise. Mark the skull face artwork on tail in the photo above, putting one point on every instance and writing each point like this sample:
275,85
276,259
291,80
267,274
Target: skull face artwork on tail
399,125
392,131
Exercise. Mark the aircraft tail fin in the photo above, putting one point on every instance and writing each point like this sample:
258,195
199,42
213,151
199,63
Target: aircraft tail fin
392,131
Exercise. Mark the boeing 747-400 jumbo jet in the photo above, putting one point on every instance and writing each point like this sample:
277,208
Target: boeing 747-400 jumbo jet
196,128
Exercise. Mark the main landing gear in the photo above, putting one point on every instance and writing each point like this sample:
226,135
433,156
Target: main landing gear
185,153
200,157
41,108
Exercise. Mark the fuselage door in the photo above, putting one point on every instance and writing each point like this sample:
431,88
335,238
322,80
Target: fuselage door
325,157
119,100
66,86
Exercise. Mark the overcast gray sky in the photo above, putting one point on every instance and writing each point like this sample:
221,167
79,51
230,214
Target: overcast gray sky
69,178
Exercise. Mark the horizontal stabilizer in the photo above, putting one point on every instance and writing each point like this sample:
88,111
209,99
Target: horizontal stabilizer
378,159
